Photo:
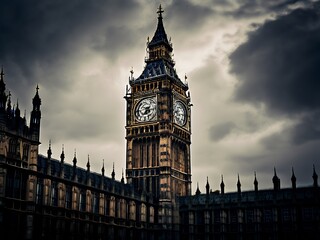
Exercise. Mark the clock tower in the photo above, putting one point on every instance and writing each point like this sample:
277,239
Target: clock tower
158,127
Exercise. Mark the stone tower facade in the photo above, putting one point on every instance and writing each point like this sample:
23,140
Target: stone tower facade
18,153
158,127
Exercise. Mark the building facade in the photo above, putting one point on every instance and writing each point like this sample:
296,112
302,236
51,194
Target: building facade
46,198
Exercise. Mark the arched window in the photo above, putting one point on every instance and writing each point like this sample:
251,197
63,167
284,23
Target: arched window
143,212
112,206
123,209
82,201
132,210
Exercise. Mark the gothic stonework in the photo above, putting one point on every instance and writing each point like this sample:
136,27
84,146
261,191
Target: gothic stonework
46,198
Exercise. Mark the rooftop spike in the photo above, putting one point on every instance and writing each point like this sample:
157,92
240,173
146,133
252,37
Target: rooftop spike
49,152
222,185
88,164
75,158
239,184
113,173
315,177
207,186
62,156
122,178
102,169
255,182
293,180
198,190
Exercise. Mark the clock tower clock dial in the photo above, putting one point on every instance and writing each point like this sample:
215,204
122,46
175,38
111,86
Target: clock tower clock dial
179,113
146,110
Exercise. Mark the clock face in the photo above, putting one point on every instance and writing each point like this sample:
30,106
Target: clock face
179,113
146,110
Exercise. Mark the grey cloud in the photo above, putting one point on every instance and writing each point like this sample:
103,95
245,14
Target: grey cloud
278,68
219,131
278,65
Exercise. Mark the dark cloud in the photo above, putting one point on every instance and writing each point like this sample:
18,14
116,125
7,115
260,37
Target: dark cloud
221,130
278,65
278,68
41,35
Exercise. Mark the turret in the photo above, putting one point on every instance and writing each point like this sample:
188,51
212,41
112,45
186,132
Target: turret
113,173
35,117
102,175
198,190
239,185
74,168
276,181
62,156
88,179
207,187
293,180
315,177
255,182
222,185
49,154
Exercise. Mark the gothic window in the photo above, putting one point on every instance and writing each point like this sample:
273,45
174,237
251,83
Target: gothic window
39,191
25,152
12,146
307,214
191,218
54,194
123,209
233,216
286,215
107,206
132,210
68,196
217,216
206,217
267,215
96,203
151,217
89,201
75,198
143,212
112,206
82,201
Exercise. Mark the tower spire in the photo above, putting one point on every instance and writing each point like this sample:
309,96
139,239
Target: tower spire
293,180
255,182
315,177
113,173
222,185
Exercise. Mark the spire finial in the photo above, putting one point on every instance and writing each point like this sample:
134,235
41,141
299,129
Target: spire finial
160,11
49,152
315,177
255,182
113,173
88,163
62,154
122,178
207,186
102,169
198,190
75,158
222,185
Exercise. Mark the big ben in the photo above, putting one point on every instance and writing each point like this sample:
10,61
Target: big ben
158,125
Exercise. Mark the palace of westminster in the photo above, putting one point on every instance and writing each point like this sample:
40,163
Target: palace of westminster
46,198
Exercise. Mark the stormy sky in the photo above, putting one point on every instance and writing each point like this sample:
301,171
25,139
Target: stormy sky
252,67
